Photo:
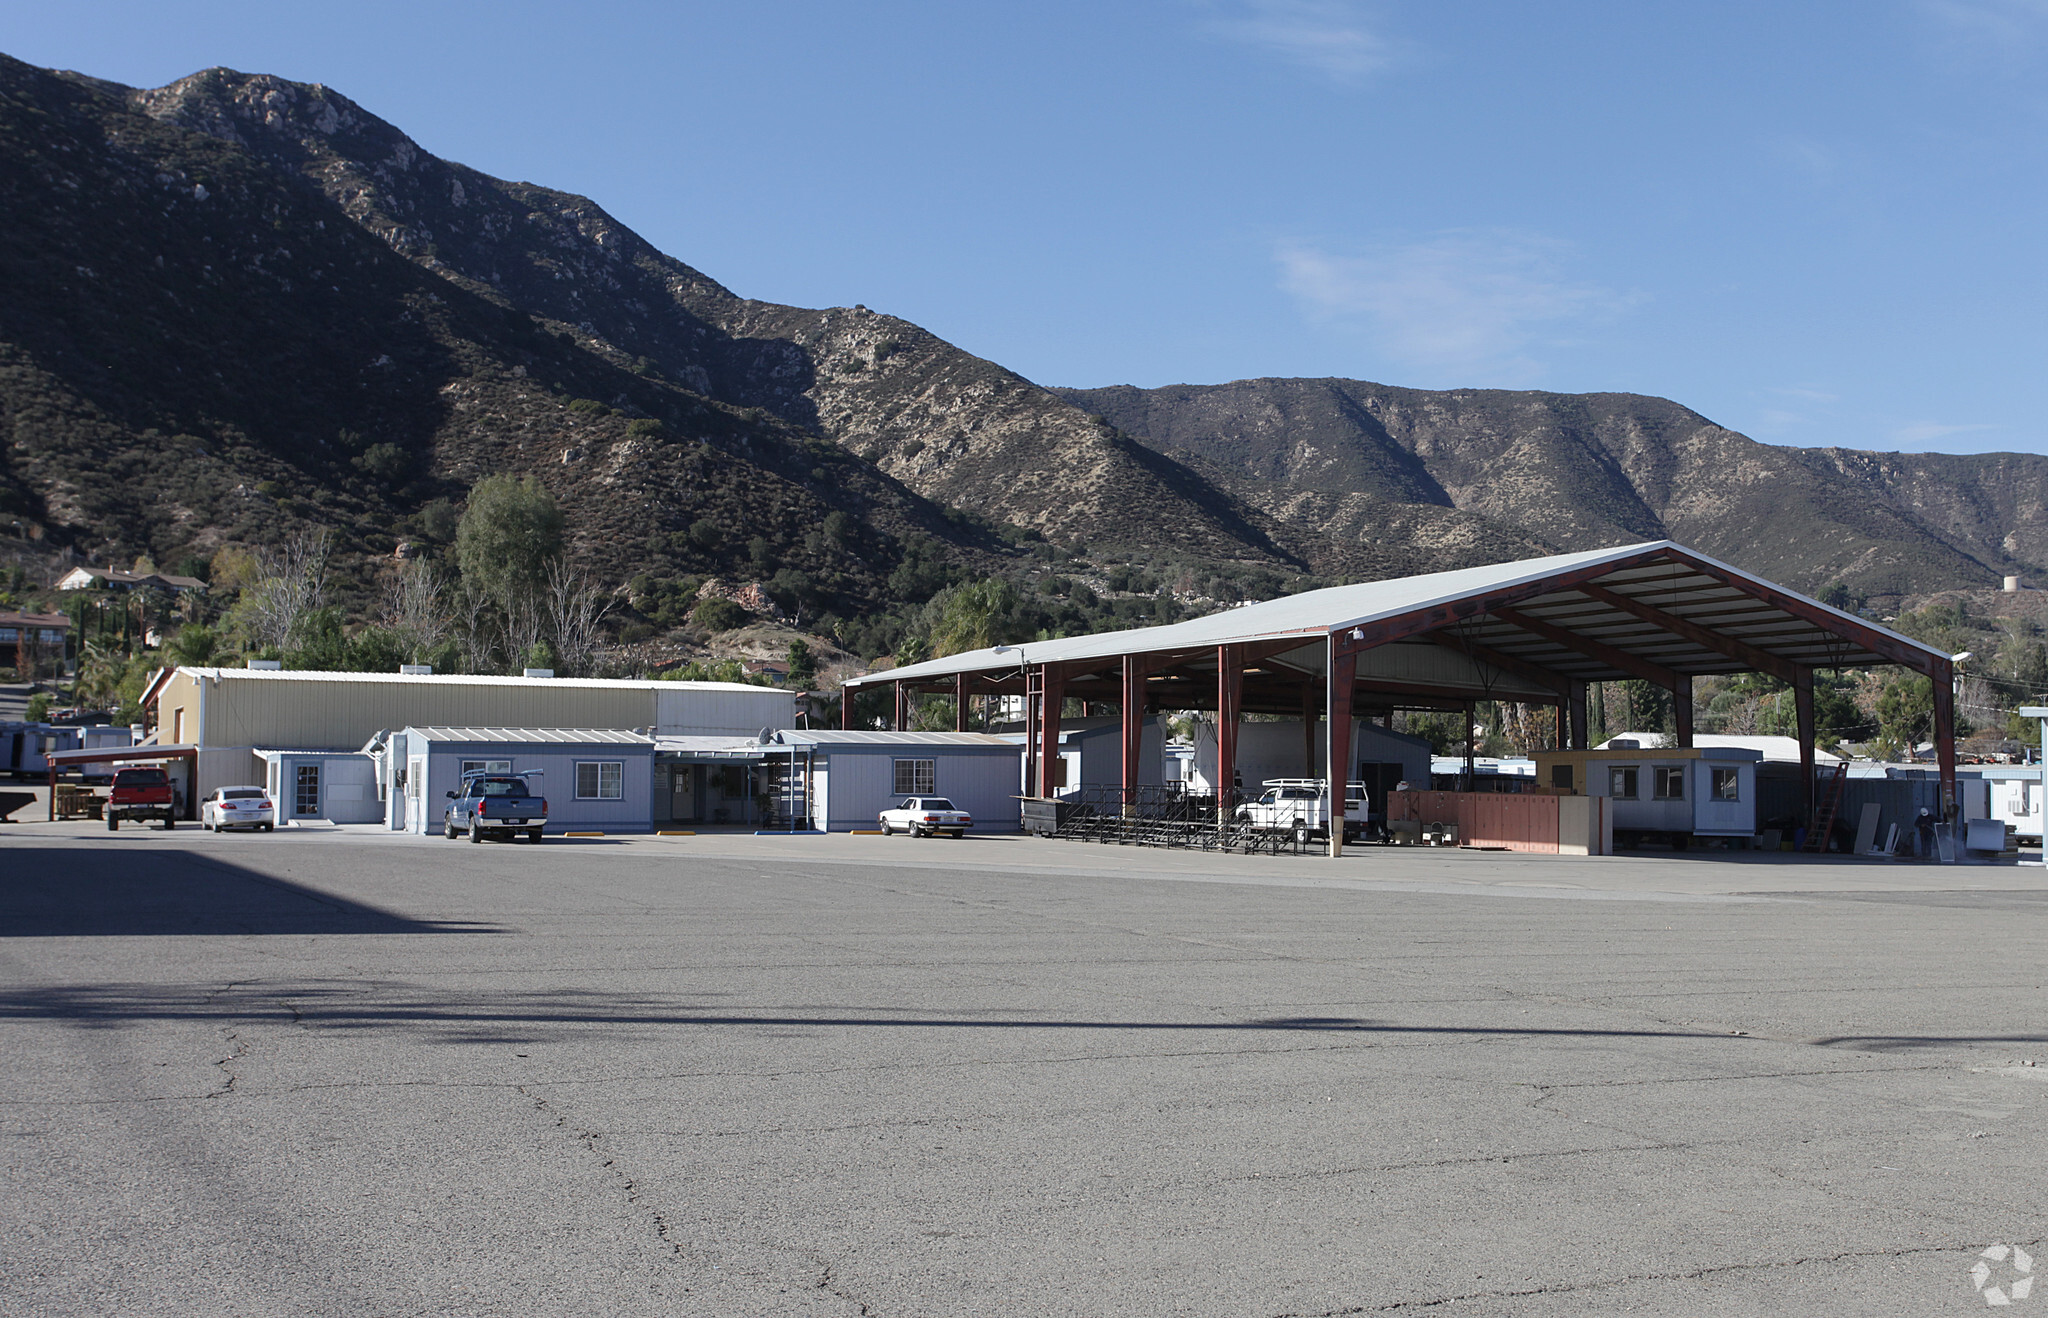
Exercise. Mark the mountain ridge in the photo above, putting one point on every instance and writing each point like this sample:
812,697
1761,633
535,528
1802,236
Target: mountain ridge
244,304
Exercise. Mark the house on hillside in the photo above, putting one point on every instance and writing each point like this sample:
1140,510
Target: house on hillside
86,578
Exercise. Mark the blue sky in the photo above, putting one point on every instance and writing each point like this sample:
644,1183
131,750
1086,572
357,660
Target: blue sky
1816,223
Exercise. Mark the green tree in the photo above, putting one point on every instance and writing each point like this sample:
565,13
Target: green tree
803,666
1905,711
509,534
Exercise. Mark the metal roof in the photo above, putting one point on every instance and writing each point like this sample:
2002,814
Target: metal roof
481,679
549,736
1650,607
856,737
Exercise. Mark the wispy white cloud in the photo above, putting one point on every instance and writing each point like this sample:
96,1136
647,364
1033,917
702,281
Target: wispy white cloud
1473,303
1805,395
1328,36
1926,431
2002,21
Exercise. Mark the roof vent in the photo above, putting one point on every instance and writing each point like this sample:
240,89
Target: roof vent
416,670
1624,744
267,665
539,672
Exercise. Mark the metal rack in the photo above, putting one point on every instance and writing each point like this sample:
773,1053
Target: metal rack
1166,816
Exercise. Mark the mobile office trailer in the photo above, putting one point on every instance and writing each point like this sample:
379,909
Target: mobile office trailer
855,775
593,778
1675,792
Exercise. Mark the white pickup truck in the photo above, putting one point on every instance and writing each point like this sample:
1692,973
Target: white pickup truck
1301,806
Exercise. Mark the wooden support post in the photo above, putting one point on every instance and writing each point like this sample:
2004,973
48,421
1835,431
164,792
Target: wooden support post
1681,708
959,702
1343,679
1132,713
900,720
845,707
1802,710
1052,688
1578,740
1944,679
1311,708
1471,753
1229,697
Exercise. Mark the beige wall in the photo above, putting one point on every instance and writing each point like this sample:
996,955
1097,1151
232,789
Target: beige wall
341,715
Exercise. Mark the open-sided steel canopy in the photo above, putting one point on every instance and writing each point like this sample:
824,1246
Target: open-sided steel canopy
1537,631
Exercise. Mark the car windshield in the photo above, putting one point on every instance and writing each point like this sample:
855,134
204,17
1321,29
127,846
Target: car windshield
242,794
500,787
937,803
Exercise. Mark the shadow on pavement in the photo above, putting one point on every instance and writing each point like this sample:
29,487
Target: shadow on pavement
367,1005
73,892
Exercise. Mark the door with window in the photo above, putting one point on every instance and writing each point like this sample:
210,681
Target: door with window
306,791
682,794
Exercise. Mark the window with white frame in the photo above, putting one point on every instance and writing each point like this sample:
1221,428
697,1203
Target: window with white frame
495,768
916,777
1671,784
600,780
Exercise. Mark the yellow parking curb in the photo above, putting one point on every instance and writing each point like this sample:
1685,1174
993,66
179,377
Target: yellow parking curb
864,832
582,835
676,832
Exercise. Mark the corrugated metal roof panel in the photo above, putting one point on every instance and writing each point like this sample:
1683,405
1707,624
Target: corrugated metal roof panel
1668,585
546,736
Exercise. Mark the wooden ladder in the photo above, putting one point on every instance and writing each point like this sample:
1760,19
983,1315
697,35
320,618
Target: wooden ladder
1830,806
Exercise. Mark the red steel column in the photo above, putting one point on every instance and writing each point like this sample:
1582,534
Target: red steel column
1681,709
1343,677
1229,699
1802,711
1053,684
846,707
1311,707
1133,714
1944,679
959,702
1578,708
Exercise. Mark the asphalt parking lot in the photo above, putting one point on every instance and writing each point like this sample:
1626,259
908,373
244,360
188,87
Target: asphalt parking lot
343,1073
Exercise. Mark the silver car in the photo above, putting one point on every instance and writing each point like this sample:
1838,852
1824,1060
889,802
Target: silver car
236,807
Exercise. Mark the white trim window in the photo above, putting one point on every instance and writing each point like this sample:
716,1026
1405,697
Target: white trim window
1671,783
492,768
600,780
916,777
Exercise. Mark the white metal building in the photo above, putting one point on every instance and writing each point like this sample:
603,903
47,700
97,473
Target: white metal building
232,713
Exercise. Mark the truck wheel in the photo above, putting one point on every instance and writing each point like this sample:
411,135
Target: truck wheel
533,835
113,824
169,824
448,829
476,833
886,830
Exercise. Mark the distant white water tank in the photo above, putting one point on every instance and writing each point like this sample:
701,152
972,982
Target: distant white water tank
2012,585
540,672
416,670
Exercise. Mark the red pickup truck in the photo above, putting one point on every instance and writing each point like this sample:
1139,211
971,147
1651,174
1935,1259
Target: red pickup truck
142,794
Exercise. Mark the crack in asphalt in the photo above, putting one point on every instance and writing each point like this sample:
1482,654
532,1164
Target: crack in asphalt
1606,1283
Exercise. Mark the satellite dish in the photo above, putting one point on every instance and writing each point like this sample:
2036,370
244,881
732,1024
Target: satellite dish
765,737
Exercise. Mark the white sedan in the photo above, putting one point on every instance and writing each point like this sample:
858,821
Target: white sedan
926,816
235,807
